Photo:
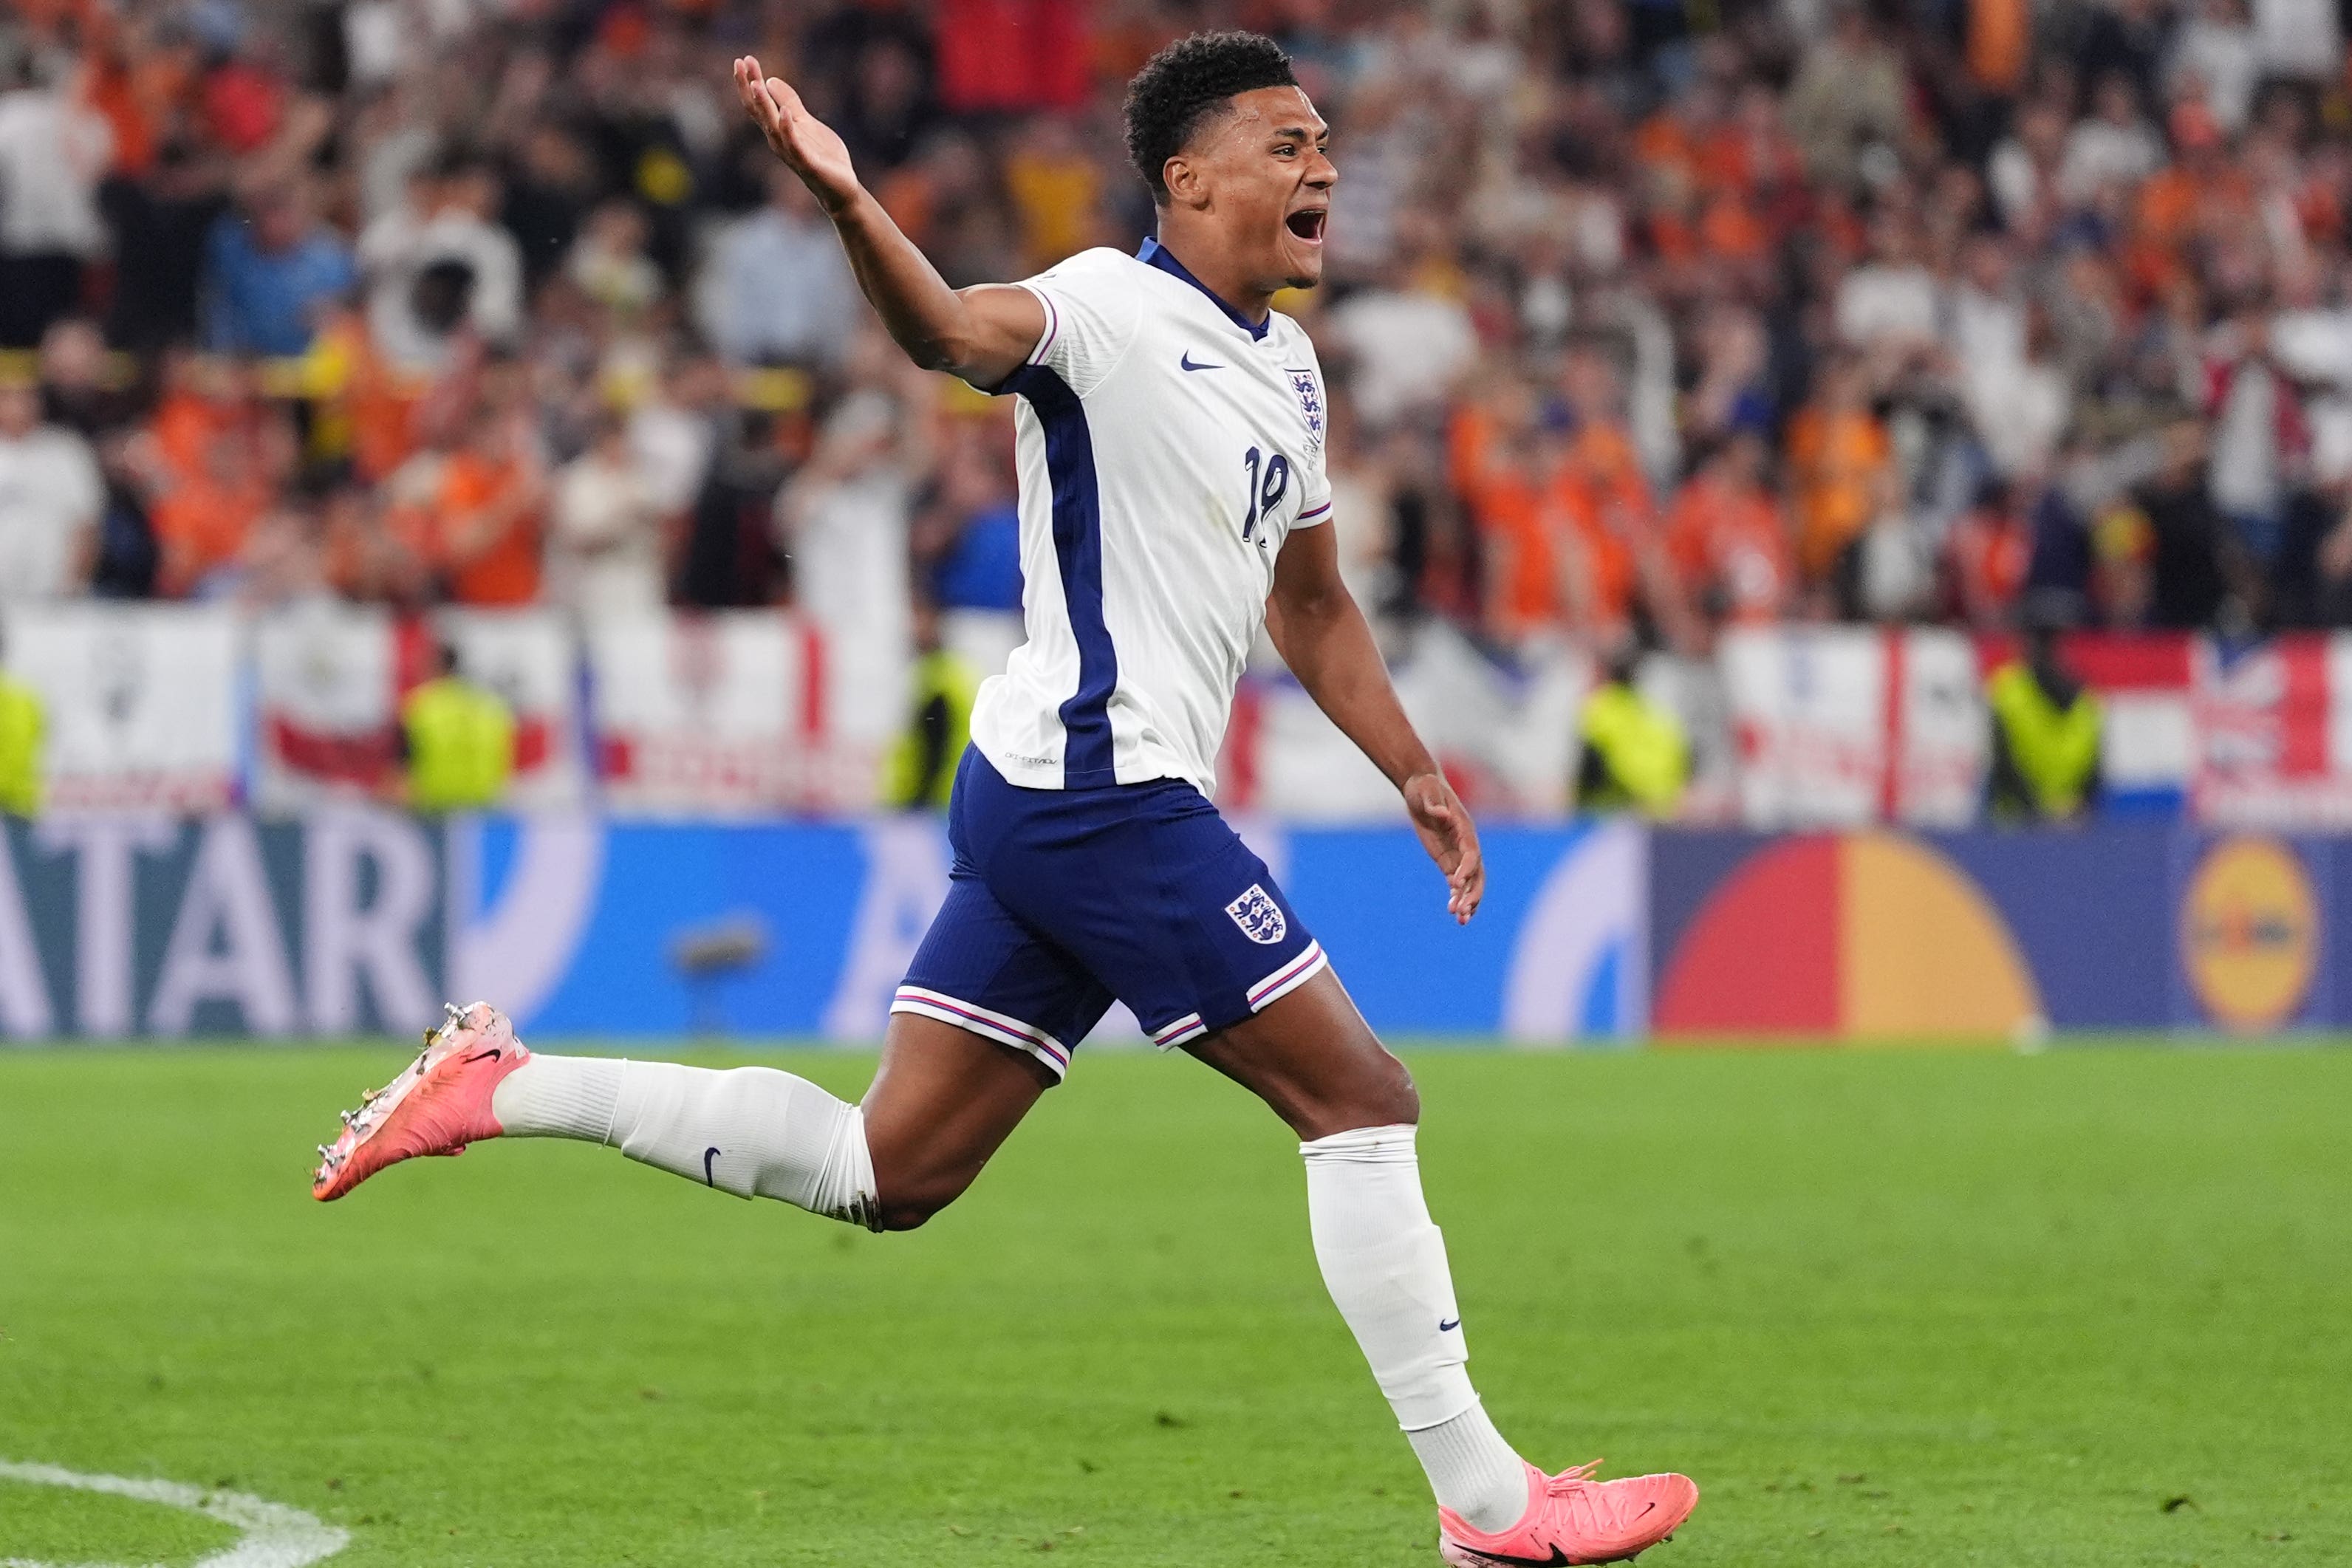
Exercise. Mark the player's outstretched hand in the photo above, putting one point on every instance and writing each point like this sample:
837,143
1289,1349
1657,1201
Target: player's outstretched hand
809,147
1451,840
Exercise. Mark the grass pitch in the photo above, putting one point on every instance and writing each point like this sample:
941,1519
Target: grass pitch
2088,1307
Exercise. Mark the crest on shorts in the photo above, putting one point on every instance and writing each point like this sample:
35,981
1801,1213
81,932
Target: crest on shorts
1310,402
1259,916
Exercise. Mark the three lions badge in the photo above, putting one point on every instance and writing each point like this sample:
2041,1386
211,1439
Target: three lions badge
1259,916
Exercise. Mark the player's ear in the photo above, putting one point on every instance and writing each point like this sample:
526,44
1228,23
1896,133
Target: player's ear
1187,182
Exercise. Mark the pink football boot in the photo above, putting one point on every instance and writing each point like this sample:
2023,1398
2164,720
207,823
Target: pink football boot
1571,1517
441,1103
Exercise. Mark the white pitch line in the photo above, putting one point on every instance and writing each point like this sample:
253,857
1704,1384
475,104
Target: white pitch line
274,1535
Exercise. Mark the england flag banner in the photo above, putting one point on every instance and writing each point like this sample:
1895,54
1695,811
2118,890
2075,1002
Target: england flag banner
1506,735
1838,726
326,679
142,703
1808,715
734,712
331,679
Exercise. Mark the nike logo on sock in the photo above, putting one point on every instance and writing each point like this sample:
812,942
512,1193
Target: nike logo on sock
1449,1325
709,1155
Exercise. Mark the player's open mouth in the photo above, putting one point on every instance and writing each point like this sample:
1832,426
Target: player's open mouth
1308,223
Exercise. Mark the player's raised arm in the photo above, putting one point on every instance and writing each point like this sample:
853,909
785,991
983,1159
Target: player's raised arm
982,334
1322,636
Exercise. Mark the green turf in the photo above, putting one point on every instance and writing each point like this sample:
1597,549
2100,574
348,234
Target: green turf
1889,1307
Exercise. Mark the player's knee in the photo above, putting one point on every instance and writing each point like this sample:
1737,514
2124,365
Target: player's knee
1396,1100
910,1213
908,1205
1379,1094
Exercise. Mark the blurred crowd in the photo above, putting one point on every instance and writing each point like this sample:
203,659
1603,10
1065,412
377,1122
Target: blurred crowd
1646,318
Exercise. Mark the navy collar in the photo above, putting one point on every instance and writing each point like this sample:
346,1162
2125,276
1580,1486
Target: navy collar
1154,253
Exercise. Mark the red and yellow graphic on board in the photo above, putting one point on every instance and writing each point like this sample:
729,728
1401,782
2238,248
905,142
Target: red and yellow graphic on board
2250,933
1858,936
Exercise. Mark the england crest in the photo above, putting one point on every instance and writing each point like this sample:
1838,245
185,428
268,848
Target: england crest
1259,916
1310,403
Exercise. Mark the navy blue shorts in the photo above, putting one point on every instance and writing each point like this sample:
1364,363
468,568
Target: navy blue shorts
1061,900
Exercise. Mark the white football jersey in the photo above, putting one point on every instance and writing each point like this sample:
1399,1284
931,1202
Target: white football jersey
1167,448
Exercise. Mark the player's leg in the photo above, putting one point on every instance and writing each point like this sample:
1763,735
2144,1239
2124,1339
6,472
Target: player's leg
1317,1064
976,1034
751,1131
1313,1060
755,1132
944,1100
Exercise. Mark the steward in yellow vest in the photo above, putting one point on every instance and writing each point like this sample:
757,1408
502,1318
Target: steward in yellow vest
1632,753
23,724
457,739
2045,736
939,725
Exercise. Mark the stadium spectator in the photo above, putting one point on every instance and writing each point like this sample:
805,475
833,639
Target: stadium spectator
436,263
845,518
1728,540
2213,63
2045,733
1847,106
270,268
1987,554
1409,340
456,741
468,505
604,532
23,726
50,497
2116,147
54,150
609,263
1838,460
778,290
2193,558
967,540
922,767
1631,753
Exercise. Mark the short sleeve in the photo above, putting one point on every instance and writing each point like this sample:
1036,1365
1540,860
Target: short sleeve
1092,307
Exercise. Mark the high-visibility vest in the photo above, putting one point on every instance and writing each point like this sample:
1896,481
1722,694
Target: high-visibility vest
460,745
1645,760
22,726
923,763
2056,750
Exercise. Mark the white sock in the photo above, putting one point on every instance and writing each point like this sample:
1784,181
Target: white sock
1384,1263
751,1131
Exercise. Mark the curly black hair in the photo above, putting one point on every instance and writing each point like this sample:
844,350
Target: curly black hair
1187,82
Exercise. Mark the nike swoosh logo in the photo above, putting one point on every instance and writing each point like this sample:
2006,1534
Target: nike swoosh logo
1449,1325
1557,1558
484,1056
1646,1509
710,1157
1185,364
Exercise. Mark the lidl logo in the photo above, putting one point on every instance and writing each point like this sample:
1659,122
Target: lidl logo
2250,933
